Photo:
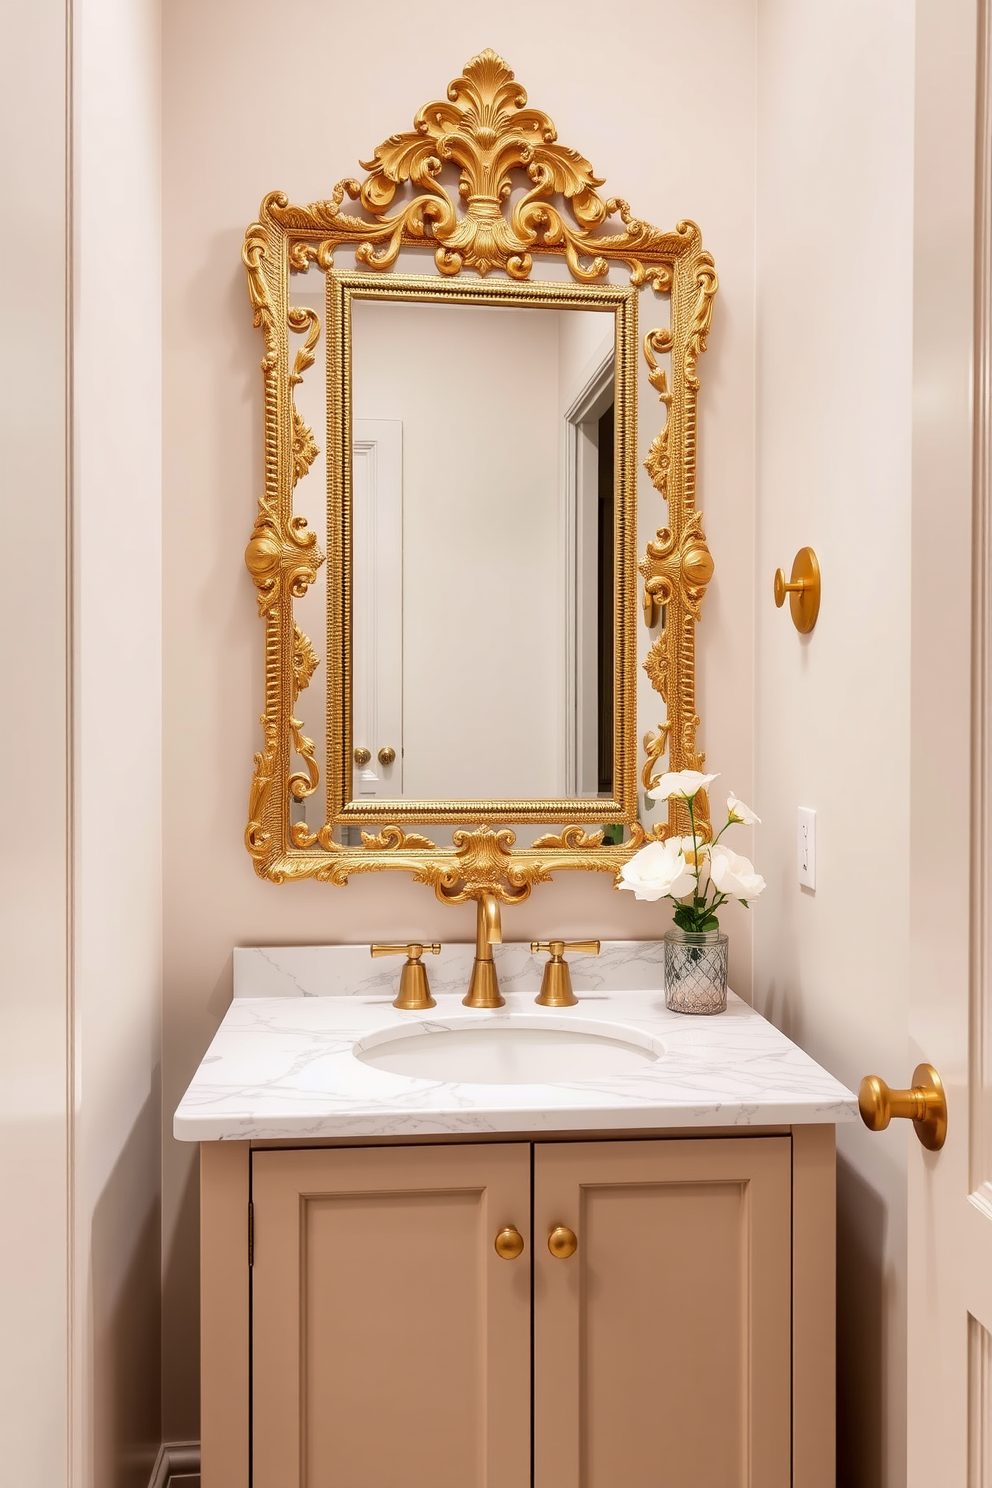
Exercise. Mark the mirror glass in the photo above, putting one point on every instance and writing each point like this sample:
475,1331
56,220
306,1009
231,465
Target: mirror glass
482,559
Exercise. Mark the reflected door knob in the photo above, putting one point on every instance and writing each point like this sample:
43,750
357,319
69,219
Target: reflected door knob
925,1105
362,756
386,755
509,1243
562,1242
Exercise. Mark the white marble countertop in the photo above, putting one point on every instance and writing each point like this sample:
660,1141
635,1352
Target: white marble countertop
285,1067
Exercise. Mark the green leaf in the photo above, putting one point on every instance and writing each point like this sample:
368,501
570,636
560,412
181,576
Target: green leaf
684,917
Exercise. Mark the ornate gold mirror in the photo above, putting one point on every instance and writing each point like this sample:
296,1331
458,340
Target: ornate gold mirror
453,374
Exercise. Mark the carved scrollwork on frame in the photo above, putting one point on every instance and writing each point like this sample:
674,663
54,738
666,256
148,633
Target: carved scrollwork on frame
484,129
682,567
677,565
305,663
481,183
305,450
572,837
655,745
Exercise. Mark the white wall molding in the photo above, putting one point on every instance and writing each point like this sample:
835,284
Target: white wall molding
174,1458
117,1262
36,757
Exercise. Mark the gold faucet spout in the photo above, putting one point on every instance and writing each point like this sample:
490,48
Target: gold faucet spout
488,926
483,987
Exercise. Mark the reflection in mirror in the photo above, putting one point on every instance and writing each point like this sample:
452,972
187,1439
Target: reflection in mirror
483,562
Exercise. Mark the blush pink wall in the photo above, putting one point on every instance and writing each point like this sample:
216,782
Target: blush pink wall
835,158
257,98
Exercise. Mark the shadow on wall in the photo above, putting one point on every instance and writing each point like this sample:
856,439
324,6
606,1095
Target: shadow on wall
181,1301
124,1290
860,1330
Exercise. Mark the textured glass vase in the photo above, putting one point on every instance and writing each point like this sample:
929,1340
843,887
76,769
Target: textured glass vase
695,971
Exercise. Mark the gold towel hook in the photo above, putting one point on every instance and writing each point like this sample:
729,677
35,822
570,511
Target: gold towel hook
803,590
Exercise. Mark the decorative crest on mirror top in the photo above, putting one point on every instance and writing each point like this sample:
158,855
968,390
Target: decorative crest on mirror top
486,130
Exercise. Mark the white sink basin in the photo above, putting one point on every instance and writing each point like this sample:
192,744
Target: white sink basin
512,1050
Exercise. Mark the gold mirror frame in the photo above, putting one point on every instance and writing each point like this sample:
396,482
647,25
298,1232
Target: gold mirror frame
485,128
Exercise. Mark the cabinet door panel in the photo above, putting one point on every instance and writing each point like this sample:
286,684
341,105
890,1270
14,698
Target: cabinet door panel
662,1345
391,1344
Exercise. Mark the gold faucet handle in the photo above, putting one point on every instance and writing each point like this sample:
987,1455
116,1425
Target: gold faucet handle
557,948
413,950
556,983
415,992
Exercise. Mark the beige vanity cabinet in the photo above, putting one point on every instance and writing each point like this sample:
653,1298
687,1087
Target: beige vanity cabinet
662,1345
391,1344
676,1331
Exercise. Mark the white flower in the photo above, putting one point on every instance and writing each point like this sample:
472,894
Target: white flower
734,874
740,812
659,869
680,783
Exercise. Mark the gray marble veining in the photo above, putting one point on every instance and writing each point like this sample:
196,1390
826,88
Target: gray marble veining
349,971
285,1066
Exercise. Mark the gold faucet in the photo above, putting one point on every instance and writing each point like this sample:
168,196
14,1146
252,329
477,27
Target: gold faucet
483,987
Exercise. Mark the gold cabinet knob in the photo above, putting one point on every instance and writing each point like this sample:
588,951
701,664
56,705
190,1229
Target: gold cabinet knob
362,756
925,1105
562,1242
386,755
509,1243
803,590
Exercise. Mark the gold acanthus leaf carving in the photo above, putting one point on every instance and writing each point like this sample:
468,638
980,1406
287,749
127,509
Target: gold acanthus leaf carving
685,567
305,449
640,834
394,839
707,285
655,745
303,785
483,863
658,342
254,256
305,661
487,131
256,838
573,838
656,665
658,461
693,761
304,322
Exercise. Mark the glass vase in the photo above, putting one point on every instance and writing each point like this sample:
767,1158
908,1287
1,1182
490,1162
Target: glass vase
695,971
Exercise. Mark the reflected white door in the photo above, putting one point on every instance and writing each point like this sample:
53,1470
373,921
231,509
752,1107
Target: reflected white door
950,1024
580,530
377,638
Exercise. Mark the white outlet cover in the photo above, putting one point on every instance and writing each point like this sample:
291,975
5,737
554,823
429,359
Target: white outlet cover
806,847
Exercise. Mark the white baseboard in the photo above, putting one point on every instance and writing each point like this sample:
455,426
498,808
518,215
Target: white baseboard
174,1458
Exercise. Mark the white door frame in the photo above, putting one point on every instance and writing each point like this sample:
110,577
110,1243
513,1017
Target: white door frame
377,590
949,1209
579,498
